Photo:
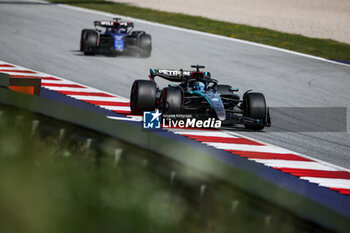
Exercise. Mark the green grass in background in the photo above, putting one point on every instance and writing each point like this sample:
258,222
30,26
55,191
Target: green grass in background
329,49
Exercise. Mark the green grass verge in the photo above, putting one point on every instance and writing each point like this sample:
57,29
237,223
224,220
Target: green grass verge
329,49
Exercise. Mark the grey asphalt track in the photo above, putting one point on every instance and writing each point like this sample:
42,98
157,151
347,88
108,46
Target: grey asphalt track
45,37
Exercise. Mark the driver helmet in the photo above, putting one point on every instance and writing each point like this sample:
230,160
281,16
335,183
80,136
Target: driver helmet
199,86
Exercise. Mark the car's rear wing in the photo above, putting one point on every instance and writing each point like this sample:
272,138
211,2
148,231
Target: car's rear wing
174,75
114,23
171,75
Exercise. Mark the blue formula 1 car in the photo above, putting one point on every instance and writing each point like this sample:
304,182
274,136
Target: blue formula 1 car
201,96
115,37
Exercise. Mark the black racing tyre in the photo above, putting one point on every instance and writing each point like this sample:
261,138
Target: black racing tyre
171,101
255,107
224,90
143,96
83,38
90,44
145,45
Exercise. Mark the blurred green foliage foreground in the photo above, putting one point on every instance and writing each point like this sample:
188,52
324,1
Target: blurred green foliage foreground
55,184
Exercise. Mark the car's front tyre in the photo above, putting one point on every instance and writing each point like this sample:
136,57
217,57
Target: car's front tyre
90,43
145,45
83,38
255,107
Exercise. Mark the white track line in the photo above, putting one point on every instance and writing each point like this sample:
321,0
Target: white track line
294,164
97,98
12,68
329,182
123,118
254,148
135,118
79,89
202,133
22,74
116,108
43,82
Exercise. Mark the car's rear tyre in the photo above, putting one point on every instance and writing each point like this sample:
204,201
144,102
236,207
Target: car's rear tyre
143,96
255,107
145,45
171,101
90,44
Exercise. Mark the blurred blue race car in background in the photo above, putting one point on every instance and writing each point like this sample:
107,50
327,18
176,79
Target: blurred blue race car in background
115,37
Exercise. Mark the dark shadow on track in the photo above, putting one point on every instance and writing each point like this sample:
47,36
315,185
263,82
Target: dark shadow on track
77,52
241,129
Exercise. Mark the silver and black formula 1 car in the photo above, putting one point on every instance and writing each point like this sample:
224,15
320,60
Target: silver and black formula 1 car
113,37
201,96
